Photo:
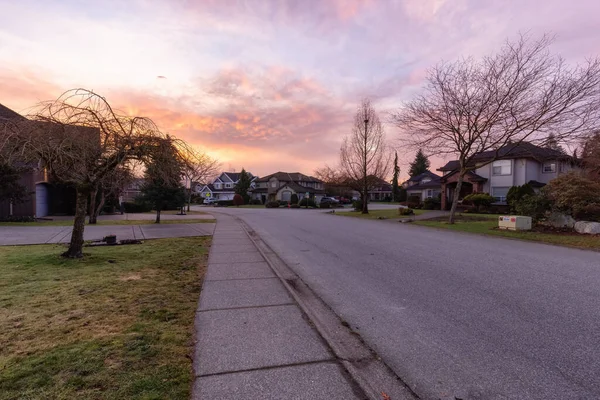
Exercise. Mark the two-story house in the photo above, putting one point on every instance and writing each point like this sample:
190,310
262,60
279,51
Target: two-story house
280,186
497,171
426,185
223,187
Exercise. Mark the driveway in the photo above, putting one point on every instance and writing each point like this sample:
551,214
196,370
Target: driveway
454,315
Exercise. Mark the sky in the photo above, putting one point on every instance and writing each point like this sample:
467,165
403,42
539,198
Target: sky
268,85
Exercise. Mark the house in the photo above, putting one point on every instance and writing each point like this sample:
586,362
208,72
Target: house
223,187
280,186
132,190
514,165
426,185
380,189
44,198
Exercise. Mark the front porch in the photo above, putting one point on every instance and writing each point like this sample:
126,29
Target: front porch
472,183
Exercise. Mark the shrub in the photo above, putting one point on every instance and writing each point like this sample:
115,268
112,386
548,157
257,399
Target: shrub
516,193
571,193
405,211
272,204
256,202
413,201
357,205
479,200
238,200
590,212
311,203
295,205
283,203
387,198
137,207
325,205
294,199
432,204
534,206
224,203
14,218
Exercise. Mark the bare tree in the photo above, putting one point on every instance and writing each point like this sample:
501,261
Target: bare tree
198,167
81,140
364,155
110,185
522,93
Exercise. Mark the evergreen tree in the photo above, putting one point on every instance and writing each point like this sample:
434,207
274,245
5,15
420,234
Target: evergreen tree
243,185
10,187
552,143
419,165
162,187
395,187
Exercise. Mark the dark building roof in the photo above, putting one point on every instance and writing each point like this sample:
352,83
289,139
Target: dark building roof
512,151
426,174
473,177
212,188
302,189
433,184
7,113
289,177
536,184
235,176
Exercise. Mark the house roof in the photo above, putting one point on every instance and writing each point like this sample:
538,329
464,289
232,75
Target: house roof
426,174
301,189
289,177
429,185
7,113
536,184
473,177
512,151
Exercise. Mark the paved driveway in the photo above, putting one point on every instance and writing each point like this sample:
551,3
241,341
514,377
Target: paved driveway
453,314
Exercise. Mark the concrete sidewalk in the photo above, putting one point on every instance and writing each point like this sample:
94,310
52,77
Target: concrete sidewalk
20,235
253,341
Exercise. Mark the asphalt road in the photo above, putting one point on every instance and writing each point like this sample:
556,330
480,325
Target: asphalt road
454,315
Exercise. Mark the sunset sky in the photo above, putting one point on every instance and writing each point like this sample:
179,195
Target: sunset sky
265,85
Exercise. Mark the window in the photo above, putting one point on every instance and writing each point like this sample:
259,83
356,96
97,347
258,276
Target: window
274,184
499,193
228,185
217,186
549,167
502,167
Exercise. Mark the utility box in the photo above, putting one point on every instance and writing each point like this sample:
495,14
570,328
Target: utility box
514,223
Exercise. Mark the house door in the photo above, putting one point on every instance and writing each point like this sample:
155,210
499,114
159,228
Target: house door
41,200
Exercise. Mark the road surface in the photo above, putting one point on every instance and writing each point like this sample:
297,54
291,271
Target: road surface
454,315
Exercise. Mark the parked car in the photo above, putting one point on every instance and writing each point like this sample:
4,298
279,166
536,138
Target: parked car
343,200
330,200
210,200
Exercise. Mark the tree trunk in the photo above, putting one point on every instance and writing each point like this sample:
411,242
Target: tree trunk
456,195
365,207
157,217
189,199
76,246
92,208
98,208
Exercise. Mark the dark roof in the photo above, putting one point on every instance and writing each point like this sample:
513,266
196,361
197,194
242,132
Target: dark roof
512,151
7,113
301,189
536,184
289,177
473,177
259,190
426,174
429,185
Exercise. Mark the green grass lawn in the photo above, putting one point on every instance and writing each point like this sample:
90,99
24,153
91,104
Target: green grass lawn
489,222
111,222
117,324
375,214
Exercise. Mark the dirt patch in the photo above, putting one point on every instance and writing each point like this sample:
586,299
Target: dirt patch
130,277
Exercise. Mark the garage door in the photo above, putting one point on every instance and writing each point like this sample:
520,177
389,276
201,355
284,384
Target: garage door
286,195
41,200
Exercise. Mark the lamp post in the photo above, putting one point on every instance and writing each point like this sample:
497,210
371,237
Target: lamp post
366,194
